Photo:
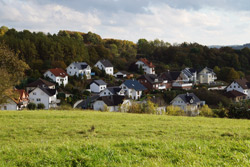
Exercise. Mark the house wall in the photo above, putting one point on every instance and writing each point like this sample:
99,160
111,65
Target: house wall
97,88
57,79
186,107
38,96
10,105
237,87
106,92
98,105
73,70
145,67
206,77
108,70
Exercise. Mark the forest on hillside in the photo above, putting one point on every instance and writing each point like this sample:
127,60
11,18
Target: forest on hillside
43,51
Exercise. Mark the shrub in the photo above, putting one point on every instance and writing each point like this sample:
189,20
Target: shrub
40,106
31,106
176,111
206,111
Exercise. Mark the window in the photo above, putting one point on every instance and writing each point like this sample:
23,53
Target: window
5,107
105,93
70,72
34,93
70,67
74,67
51,74
38,99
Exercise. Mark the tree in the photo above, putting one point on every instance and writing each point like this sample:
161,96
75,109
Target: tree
11,71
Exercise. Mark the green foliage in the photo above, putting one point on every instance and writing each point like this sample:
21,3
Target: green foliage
239,110
40,106
175,111
206,111
89,138
31,106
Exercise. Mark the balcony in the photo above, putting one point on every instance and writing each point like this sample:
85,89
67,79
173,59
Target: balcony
182,85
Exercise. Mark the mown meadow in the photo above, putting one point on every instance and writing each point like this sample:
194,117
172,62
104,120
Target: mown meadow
90,138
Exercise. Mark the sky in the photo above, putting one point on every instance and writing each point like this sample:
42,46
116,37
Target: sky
213,22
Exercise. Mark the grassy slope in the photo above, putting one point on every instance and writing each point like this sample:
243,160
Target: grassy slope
65,138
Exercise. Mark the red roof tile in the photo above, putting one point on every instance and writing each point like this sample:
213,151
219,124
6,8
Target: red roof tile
58,72
148,63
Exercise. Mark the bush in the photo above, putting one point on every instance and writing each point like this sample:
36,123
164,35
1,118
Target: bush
206,111
175,111
40,106
31,106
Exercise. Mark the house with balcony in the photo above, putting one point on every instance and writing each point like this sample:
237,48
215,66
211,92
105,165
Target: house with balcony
152,82
79,69
206,76
132,89
45,96
58,75
147,66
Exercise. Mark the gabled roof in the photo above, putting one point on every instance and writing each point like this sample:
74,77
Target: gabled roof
209,69
189,98
133,84
106,63
189,71
114,90
40,82
123,72
170,75
113,100
21,93
80,65
244,83
152,78
85,103
58,72
49,92
234,94
99,82
146,62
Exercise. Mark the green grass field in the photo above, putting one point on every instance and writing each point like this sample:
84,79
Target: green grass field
88,138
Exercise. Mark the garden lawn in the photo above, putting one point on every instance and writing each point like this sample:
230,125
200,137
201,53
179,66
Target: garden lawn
90,138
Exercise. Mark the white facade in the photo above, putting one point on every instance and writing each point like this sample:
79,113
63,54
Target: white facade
60,80
186,107
146,68
72,70
97,88
237,87
107,92
120,74
10,105
39,96
108,70
206,77
131,93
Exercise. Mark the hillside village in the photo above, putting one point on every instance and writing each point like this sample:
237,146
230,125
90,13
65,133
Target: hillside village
134,87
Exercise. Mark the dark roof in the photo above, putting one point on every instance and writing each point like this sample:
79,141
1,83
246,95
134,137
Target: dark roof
113,100
133,84
40,82
244,83
189,98
49,92
80,65
58,72
106,63
170,75
234,94
152,78
85,103
99,82
114,90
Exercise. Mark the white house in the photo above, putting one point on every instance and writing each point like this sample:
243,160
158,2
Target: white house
189,75
58,75
147,66
206,76
110,91
187,102
45,96
98,86
79,69
109,103
11,104
132,89
106,66
241,85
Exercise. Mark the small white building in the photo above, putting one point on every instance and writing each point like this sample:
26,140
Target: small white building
110,91
98,86
58,75
11,104
241,85
106,66
45,96
109,103
206,76
147,66
132,89
187,102
79,69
